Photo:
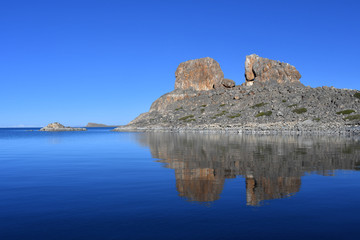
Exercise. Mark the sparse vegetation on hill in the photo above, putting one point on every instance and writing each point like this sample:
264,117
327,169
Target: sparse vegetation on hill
299,110
260,114
345,112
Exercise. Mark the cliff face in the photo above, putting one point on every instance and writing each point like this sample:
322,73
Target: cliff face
272,166
199,74
272,96
192,76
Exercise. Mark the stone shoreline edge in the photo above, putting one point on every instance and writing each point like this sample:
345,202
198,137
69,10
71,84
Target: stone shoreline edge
282,131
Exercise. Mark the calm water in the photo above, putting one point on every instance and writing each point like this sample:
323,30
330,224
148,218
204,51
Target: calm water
104,185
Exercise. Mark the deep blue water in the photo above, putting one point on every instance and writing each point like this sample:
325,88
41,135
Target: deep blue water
105,185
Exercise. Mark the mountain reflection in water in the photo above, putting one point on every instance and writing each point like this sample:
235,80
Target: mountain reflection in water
272,165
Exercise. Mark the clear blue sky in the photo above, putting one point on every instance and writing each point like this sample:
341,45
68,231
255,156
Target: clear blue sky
107,61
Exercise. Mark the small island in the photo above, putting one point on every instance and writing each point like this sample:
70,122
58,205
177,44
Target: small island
57,127
98,125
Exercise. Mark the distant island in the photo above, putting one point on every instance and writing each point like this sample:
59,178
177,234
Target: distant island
99,125
271,100
58,127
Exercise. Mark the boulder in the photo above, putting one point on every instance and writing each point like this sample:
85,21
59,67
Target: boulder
228,83
199,74
258,69
57,127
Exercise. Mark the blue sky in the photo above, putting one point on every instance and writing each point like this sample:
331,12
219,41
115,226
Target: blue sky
107,61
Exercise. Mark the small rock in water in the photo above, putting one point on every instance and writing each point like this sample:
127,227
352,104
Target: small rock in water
57,127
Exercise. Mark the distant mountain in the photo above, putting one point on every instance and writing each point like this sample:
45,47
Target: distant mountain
99,125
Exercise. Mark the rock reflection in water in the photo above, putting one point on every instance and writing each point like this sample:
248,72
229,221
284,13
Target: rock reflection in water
272,165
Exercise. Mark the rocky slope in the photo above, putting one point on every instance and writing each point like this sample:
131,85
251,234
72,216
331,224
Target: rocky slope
57,127
272,100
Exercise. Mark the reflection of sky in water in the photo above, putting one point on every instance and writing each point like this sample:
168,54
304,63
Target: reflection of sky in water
105,185
54,140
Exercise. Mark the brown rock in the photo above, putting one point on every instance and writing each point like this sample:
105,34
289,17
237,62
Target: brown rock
199,74
228,83
269,71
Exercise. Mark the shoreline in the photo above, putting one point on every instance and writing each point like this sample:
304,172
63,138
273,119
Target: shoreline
286,129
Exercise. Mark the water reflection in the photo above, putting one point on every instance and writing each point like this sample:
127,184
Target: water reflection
272,166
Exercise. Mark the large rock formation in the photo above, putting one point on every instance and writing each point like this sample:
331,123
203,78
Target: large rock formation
277,101
192,76
199,74
57,127
264,70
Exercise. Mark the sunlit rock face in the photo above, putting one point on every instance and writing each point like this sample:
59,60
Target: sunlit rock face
192,76
272,166
199,74
263,70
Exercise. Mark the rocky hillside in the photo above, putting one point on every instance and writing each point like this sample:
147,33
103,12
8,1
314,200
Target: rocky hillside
272,98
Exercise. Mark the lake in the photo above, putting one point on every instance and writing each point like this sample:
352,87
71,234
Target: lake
109,185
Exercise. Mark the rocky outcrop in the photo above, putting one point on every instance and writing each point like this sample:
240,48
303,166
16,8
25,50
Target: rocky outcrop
263,70
199,74
277,101
57,127
191,77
